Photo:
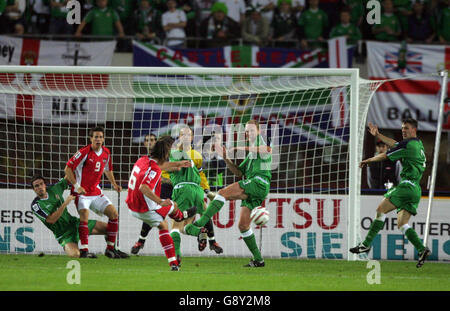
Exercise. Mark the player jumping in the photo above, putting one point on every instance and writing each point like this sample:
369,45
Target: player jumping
405,196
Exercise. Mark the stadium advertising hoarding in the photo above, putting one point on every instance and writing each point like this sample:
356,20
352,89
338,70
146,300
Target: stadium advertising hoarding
416,97
300,226
20,102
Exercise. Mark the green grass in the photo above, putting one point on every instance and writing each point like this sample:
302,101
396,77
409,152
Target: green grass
49,273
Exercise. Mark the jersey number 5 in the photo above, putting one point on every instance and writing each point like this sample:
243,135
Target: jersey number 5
132,181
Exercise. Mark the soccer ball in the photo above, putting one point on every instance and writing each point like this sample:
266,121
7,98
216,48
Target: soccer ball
260,216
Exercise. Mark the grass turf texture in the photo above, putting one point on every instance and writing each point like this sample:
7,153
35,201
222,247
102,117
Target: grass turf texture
49,273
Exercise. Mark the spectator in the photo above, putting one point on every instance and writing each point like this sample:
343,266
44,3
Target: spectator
173,22
103,21
385,174
40,17
191,10
236,10
331,9
345,28
218,28
312,25
256,27
403,9
204,7
58,23
125,9
148,22
297,7
159,5
12,15
389,27
284,24
420,27
267,7
444,25
356,8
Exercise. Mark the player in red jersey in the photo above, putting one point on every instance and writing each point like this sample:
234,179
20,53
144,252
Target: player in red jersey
144,189
84,171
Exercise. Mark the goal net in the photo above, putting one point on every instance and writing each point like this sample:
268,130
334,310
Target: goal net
314,120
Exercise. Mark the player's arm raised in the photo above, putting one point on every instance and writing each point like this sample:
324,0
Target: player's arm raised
222,151
373,129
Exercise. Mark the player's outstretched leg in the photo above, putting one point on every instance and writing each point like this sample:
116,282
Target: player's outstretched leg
141,242
213,208
375,227
213,245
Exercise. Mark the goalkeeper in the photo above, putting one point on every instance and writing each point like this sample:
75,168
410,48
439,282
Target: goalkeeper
405,196
50,208
252,189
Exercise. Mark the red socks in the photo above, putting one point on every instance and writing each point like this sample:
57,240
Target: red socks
111,230
83,231
167,245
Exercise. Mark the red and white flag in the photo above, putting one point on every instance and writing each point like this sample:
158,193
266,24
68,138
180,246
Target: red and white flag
53,98
417,97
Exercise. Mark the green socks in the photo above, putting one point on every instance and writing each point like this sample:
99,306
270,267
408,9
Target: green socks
376,226
250,241
213,208
412,236
176,237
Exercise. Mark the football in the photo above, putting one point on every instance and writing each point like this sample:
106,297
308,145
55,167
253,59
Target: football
260,216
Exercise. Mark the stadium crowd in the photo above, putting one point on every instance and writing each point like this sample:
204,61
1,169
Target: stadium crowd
281,23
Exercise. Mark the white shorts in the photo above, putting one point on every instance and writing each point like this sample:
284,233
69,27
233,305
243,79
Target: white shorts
152,217
96,203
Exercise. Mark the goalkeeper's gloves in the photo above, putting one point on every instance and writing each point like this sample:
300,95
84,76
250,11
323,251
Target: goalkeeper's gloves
210,194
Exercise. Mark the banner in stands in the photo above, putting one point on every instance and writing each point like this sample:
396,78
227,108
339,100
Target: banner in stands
297,122
146,54
417,97
300,226
18,99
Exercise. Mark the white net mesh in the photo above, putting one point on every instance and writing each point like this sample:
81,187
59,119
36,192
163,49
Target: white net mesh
45,118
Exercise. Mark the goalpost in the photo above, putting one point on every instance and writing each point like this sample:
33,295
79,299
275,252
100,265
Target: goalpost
314,119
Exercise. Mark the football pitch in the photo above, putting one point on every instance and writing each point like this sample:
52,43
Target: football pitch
151,273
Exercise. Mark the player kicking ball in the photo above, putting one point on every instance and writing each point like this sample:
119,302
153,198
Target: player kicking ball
406,195
144,201
50,207
252,189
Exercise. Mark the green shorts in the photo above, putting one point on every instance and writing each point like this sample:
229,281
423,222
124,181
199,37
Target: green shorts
405,195
257,189
188,195
72,235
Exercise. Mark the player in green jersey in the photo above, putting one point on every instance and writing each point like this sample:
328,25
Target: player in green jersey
50,207
252,189
405,197
189,187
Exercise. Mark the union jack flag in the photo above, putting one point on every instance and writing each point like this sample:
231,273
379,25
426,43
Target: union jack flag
413,62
